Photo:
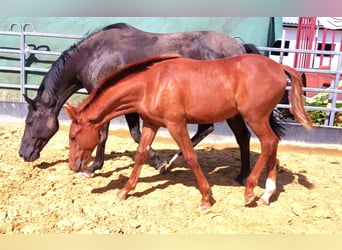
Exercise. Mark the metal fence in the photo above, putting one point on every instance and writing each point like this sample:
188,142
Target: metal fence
331,107
24,51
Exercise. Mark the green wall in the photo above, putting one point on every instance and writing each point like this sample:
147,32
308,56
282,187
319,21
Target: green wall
250,29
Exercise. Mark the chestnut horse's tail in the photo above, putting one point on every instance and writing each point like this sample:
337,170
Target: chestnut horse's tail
297,97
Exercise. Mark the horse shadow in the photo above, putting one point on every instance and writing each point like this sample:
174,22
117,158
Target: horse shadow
46,165
220,167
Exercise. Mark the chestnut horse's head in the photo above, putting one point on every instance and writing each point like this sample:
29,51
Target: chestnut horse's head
83,138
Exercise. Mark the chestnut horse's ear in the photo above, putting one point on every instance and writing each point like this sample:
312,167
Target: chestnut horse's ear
71,111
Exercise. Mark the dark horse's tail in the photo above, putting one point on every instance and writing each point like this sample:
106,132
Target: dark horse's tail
277,127
251,49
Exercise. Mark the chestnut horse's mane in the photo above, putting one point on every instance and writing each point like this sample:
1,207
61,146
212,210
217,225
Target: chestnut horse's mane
120,74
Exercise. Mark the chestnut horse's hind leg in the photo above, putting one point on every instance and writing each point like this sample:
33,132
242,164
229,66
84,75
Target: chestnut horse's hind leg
269,144
134,129
148,134
181,136
242,136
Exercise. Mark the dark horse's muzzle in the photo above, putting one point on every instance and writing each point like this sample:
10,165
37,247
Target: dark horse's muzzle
31,151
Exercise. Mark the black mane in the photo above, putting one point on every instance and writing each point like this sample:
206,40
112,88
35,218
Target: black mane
66,54
56,71
89,34
54,75
120,26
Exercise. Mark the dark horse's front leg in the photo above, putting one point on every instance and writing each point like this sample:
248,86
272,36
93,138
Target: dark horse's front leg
100,152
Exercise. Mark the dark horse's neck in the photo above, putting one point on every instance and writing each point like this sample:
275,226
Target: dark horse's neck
58,84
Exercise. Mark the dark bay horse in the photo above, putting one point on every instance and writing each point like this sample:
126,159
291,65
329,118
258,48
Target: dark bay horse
170,92
103,52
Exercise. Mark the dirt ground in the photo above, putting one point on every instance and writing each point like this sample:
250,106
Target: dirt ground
46,197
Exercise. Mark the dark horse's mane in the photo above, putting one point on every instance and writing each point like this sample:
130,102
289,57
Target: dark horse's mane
57,68
116,76
120,26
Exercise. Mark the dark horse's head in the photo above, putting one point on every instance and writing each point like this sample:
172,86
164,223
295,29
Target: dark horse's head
41,125
42,119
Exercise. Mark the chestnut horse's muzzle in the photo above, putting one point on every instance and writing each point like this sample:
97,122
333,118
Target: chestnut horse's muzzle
79,163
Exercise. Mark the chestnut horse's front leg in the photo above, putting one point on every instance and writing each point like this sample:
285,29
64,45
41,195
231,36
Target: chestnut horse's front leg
134,129
203,130
181,136
147,137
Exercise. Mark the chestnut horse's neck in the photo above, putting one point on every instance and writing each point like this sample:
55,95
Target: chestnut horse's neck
119,93
117,100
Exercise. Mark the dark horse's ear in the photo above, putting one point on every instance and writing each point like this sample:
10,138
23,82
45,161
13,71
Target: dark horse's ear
71,111
30,101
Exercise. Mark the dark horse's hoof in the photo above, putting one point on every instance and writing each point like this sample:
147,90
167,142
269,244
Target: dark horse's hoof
85,175
240,179
161,167
88,173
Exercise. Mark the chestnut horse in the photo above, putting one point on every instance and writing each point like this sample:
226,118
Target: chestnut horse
170,92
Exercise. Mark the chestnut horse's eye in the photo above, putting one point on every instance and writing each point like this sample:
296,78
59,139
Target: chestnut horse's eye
73,138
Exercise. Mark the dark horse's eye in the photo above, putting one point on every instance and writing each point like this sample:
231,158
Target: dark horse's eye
29,122
73,138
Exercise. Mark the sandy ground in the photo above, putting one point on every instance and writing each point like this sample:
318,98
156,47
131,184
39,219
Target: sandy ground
46,197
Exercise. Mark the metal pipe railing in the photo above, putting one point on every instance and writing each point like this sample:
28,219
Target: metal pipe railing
25,50
333,90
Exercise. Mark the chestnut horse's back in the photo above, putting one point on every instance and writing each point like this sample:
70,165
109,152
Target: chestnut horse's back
215,90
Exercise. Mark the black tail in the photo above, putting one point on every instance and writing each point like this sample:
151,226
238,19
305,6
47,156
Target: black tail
277,128
304,82
251,49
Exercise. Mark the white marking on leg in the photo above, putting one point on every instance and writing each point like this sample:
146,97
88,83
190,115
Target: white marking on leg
174,158
270,189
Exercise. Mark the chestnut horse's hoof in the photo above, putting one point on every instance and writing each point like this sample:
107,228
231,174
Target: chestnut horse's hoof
251,201
120,196
263,202
204,208
85,175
